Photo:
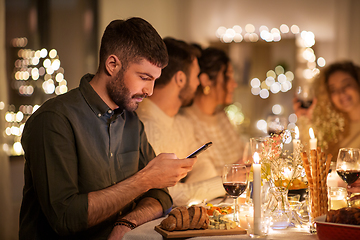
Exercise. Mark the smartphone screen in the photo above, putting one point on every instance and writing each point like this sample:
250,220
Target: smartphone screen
200,150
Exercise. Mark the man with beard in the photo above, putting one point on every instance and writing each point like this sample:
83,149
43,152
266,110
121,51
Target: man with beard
90,172
169,132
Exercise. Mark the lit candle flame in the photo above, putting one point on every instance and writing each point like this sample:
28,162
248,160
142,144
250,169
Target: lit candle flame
297,132
311,133
256,158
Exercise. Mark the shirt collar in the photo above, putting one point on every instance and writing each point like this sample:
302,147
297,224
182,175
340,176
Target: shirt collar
98,106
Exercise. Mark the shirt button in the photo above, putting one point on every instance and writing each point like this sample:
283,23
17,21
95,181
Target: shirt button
109,111
99,115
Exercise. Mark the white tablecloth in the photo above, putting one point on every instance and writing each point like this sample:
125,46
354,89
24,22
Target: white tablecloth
147,232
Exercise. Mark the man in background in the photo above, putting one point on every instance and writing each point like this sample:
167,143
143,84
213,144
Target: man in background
169,132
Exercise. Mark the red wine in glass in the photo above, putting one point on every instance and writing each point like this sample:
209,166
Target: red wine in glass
234,189
349,176
234,180
347,166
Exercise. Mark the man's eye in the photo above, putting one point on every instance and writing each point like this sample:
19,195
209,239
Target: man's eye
145,78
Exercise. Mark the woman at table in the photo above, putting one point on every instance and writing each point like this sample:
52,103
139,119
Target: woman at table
336,115
217,85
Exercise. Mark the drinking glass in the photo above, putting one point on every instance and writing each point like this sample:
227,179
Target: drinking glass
348,165
234,180
305,95
276,125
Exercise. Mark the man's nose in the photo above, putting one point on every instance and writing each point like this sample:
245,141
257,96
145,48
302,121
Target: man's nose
149,88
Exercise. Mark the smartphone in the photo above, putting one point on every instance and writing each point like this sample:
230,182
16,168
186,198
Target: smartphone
200,150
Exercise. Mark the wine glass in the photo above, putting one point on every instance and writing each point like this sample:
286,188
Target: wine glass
276,125
348,165
305,95
234,180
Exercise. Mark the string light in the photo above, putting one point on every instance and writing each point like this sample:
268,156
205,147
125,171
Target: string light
31,67
278,80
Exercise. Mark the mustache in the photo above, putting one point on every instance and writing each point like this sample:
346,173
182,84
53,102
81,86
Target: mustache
145,95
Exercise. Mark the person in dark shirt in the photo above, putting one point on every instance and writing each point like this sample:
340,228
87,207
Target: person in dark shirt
90,172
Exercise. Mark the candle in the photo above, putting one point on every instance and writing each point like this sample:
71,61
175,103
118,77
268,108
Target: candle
257,194
313,140
296,141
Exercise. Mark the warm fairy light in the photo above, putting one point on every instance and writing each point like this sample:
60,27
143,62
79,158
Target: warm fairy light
237,29
295,29
297,133
17,148
52,53
284,28
321,62
55,64
275,88
279,70
238,38
255,91
269,81
292,118
250,28
311,133
256,158
47,63
277,109
220,31
271,73
19,116
264,93
261,125
43,53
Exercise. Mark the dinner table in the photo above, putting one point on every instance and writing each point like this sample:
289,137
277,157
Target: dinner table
147,232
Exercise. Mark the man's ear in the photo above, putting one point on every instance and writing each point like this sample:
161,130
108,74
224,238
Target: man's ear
205,80
112,65
180,78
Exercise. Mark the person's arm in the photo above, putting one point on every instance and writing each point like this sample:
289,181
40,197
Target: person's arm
163,171
355,188
146,210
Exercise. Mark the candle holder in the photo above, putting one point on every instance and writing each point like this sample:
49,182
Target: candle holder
265,223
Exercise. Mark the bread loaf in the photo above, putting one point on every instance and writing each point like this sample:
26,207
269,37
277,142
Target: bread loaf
347,215
182,218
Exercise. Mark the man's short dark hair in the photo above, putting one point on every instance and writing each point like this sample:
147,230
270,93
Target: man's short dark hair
181,56
132,40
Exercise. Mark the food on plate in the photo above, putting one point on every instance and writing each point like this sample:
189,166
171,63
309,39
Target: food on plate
219,221
347,215
222,209
182,218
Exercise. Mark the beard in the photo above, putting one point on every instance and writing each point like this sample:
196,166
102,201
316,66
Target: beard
121,95
186,95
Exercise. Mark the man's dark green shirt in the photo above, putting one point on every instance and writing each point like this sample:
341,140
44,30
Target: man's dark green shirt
75,144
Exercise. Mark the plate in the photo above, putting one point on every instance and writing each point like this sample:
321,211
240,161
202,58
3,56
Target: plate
199,232
335,231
